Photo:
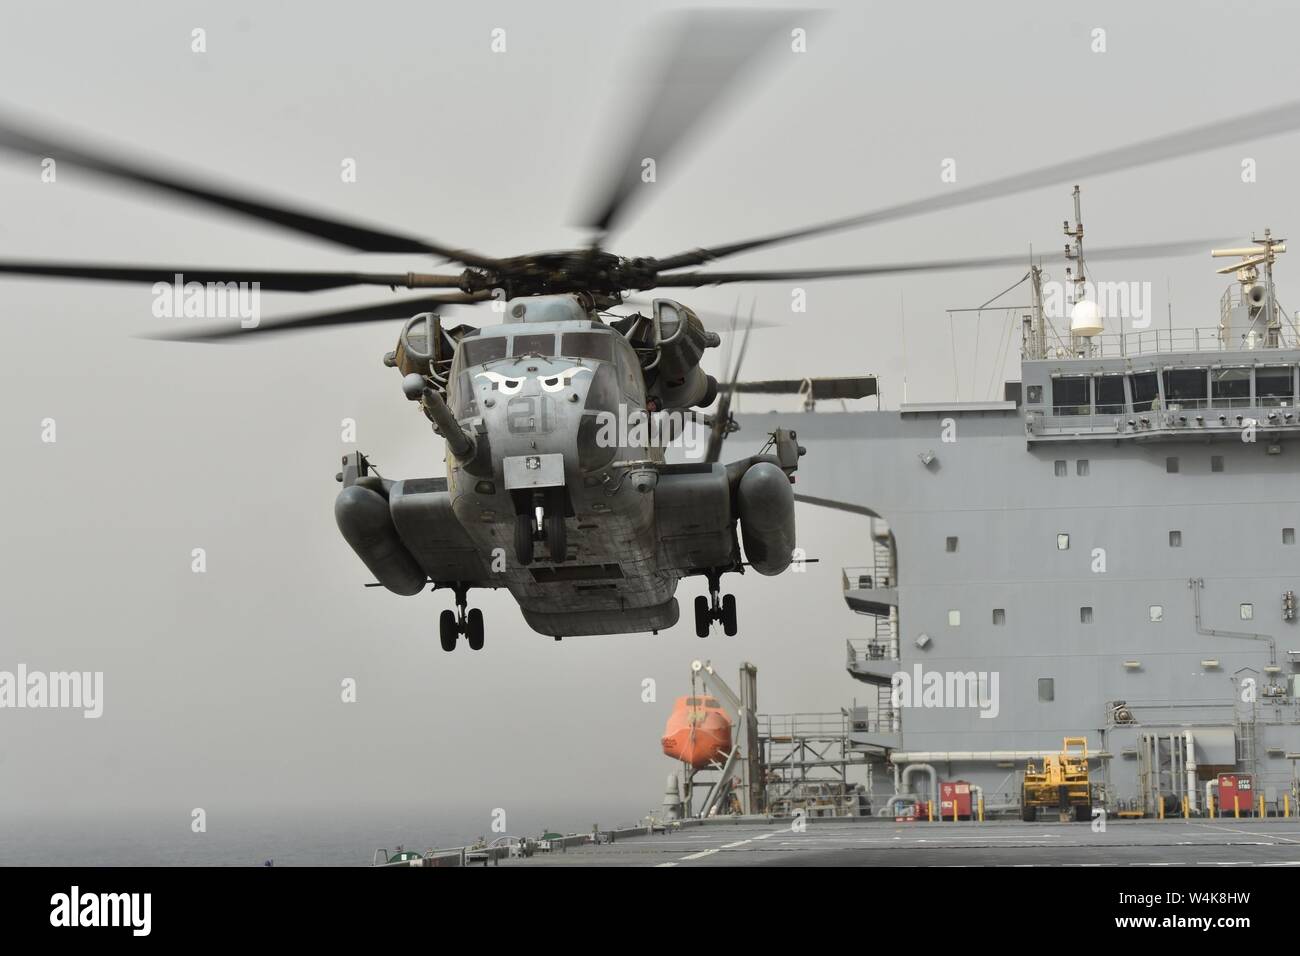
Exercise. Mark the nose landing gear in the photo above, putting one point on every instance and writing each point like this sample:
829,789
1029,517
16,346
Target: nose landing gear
546,515
452,624
716,607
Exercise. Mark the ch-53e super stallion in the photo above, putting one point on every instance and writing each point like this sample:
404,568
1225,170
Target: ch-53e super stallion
553,487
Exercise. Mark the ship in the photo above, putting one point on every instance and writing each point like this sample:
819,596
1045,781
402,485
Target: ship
1107,553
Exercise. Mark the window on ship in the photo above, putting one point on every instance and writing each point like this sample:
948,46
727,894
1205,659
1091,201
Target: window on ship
1230,388
1146,391
1070,396
1186,388
1274,387
1109,390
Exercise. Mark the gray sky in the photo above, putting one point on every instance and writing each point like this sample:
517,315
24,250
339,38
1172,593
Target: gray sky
222,689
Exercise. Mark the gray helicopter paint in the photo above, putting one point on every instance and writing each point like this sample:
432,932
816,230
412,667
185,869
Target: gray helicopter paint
635,524
992,484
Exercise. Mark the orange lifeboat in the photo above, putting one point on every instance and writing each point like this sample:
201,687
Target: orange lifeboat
698,732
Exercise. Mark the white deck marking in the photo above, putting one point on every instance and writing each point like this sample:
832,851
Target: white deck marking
702,854
1249,833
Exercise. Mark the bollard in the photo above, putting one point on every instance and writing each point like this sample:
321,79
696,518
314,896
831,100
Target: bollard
1209,806
981,805
1236,806
1160,806
1286,805
1186,808
929,810
954,810
1263,807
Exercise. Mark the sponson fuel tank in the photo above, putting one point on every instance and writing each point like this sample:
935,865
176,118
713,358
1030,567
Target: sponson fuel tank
363,517
766,504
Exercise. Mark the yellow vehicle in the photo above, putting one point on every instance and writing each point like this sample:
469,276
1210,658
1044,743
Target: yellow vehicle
1062,783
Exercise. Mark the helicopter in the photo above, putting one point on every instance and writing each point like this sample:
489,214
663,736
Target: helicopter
588,524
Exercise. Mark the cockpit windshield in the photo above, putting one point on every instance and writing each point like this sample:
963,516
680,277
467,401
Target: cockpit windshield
588,345
533,345
477,351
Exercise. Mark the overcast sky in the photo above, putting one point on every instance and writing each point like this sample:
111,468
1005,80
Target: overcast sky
222,690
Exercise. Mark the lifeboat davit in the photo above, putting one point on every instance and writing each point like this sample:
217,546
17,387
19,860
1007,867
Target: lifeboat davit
698,732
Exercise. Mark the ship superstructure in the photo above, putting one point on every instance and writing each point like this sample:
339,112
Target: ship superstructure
1108,553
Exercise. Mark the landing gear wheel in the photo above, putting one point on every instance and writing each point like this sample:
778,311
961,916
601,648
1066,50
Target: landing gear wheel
1083,813
474,629
729,615
448,630
556,537
702,616
524,539
1029,814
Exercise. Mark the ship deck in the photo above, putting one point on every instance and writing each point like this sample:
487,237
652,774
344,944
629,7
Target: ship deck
866,842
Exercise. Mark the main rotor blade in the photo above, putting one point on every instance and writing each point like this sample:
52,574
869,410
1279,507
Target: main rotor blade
713,321
1146,251
20,138
271,281
722,421
388,311
1257,125
836,505
709,50
818,389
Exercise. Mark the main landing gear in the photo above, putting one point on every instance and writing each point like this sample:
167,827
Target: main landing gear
715,607
543,521
452,624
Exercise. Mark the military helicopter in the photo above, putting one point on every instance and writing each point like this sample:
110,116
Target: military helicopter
588,524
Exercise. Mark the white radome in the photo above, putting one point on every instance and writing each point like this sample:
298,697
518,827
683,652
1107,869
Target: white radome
1085,319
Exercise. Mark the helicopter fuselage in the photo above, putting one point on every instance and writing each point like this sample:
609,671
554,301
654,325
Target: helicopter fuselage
557,487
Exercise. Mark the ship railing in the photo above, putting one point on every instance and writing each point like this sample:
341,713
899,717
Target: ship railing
1154,341
862,649
787,728
815,804
866,578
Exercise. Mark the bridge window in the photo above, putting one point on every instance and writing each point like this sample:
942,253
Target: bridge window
1060,468
1248,612
1109,390
1288,535
950,545
1046,689
1034,394
1185,388
954,618
1171,465
1157,613
999,616
1230,387
1081,468
1085,615
1070,396
1146,391
1216,463
1062,542
1274,387
1175,539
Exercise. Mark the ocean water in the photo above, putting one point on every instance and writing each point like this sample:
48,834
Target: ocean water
288,837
